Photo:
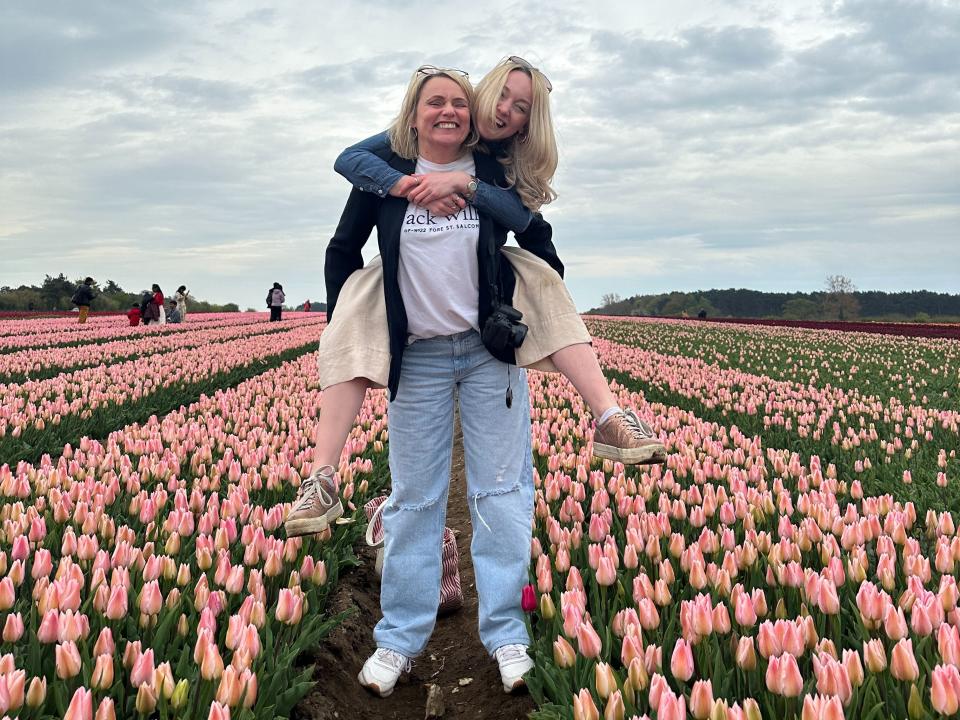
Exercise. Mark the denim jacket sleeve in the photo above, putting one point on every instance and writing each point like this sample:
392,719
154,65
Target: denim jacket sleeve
364,165
503,205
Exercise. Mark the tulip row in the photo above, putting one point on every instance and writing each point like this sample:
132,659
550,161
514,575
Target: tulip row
41,363
41,416
773,584
883,443
65,332
143,576
886,366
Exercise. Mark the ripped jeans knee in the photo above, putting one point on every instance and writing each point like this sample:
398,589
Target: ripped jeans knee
408,502
505,503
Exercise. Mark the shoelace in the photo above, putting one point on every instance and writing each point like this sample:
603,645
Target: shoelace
638,427
397,661
510,652
312,491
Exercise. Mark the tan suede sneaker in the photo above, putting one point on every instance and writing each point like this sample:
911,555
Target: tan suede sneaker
626,438
317,504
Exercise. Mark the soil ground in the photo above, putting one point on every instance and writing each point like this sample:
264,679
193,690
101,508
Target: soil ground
454,653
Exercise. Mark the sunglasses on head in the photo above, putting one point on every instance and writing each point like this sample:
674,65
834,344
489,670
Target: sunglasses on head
434,70
517,60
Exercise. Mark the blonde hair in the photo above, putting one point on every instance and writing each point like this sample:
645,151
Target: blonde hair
403,134
531,158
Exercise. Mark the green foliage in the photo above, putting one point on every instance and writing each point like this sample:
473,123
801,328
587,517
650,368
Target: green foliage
55,292
801,309
872,304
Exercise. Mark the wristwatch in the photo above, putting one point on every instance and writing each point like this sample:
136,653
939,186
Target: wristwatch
472,188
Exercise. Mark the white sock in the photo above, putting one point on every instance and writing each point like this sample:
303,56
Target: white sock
609,414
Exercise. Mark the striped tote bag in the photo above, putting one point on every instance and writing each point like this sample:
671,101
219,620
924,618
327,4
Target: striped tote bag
451,592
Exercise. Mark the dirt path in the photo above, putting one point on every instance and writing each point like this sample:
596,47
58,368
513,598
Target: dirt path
454,652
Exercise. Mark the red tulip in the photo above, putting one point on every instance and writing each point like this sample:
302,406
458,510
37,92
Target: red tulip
528,598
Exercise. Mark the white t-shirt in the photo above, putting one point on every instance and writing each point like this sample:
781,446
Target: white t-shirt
439,275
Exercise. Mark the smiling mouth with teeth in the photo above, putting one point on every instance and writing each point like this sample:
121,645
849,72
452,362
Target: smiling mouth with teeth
446,125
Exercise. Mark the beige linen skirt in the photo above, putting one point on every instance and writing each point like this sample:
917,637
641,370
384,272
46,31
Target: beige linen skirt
356,343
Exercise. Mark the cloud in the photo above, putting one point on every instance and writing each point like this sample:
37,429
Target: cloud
53,43
701,143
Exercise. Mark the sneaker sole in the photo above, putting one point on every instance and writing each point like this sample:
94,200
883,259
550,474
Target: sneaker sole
631,456
309,526
373,687
518,685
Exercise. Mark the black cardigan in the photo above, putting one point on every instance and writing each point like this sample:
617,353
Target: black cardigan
365,211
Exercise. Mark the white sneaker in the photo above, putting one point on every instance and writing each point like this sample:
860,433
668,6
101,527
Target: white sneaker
382,670
514,664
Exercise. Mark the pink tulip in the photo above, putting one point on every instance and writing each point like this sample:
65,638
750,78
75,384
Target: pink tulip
903,663
606,572
746,656
874,656
117,603
564,655
131,653
588,641
658,686
701,699
81,705
36,692
744,612
584,707
104,644
945,689
768,643
672,707
68,661
15,684
102,677
721,619
829,601
819,707
948,643
106,710
13,628
783,676
681,662
832,677
42,564
151,599
143,668
211,667
289,607
8,594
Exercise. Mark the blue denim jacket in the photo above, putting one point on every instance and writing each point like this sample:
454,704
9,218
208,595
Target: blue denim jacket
362,165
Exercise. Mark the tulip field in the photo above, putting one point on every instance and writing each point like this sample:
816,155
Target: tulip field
796,557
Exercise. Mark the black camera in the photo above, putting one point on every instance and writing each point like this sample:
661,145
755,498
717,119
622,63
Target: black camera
503,329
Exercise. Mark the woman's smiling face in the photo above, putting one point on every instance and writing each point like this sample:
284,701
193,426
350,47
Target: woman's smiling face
513,108
443,115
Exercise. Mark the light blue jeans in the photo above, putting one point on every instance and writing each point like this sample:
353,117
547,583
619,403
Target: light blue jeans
496,443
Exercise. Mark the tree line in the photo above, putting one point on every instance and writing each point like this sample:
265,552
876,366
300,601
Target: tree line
55,292
838,301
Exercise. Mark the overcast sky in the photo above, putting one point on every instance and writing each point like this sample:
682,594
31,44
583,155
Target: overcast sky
702,144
